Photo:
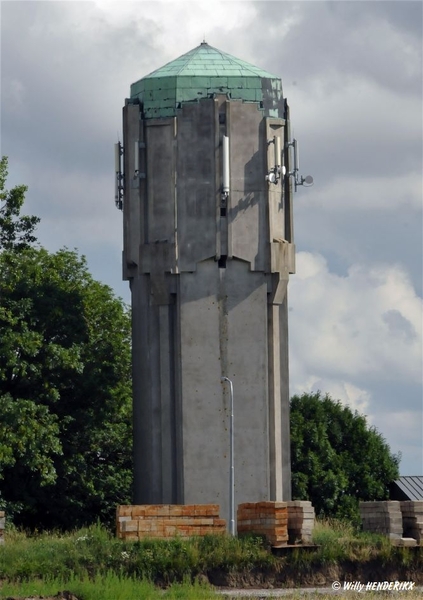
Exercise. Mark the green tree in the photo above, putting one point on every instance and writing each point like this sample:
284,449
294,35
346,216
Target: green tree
337,459
16,231
65,397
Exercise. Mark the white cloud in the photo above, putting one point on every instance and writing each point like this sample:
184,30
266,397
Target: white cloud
179,26
333,42
344,391
355,337
365,325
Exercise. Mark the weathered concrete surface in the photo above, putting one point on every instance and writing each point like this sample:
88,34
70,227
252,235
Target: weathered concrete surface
209,299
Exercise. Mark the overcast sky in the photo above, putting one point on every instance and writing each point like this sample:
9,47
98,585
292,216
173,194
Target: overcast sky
352,73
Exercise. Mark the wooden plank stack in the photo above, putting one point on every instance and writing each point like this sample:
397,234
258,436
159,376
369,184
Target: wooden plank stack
412,518
168,520
301,518
264,518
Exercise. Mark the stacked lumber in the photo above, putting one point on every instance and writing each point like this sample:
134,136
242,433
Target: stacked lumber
412,518
269,519
301,518
168,520
382,517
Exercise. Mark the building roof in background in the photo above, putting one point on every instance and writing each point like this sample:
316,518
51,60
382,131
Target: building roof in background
410,486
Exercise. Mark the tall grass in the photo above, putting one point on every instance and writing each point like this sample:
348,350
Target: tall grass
93,564
340,540
97,552
108,587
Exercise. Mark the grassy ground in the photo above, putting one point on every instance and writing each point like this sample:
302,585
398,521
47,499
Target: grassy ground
96,552
93,564
112,587
107,587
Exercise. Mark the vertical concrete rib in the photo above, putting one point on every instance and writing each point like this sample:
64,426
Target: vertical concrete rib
275,449
222,298
155,434
285,437
166,408
137,410
179,479
223,323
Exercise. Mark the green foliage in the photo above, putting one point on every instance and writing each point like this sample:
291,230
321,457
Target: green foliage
337,459
65,397
16,231
340,541
97,551
110,586
65,382
47,562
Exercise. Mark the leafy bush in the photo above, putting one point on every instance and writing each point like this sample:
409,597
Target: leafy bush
337,459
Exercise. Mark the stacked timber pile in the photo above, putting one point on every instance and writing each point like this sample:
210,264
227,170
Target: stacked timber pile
269,519
2,526
301,518
412,518
383,517
168,520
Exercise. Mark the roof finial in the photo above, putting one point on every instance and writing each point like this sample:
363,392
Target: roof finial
204,39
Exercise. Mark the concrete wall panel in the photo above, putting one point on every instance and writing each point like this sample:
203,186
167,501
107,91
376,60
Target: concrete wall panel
247,367
160,180
204,416
196,194
248,205
154,396
233,302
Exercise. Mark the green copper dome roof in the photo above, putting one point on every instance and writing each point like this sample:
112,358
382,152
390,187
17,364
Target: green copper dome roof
205,60
202,73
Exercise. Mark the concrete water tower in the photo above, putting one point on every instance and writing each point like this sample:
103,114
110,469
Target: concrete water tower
205,181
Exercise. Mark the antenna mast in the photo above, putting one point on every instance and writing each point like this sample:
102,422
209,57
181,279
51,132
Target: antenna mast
118,176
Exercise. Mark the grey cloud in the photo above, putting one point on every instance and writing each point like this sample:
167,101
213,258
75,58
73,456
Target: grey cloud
69,81
368,237
405,15
399,325
331,42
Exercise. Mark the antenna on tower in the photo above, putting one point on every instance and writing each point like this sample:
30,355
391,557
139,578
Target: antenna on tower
226,171
278,170
118,176
298,180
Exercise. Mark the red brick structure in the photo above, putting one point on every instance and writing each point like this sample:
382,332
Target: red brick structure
168,520
265,518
